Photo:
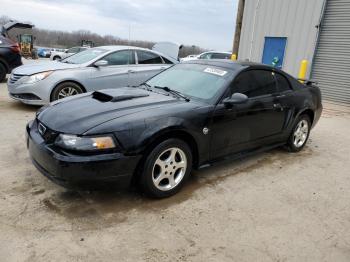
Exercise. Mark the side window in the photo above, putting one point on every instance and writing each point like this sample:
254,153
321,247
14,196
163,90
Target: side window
206,56
220,56
73,50
167,61
148,58
282,83
255,83
125,57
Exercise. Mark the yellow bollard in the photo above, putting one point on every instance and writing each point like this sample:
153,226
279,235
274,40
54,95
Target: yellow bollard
234,57
302,70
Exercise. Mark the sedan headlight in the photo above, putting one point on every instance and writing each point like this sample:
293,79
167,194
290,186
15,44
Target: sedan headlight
72,142
37,77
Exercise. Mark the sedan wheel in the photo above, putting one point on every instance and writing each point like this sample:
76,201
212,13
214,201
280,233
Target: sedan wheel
166,168
169,169
300,134
66,89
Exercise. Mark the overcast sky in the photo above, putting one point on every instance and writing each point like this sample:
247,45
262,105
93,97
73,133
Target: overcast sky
206,23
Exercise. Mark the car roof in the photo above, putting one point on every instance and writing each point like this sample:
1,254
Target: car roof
213,51
121,47
229,64
126,47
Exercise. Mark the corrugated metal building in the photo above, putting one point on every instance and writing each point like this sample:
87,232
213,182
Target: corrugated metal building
284,32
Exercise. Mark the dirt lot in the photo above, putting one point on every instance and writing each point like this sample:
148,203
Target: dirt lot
275,206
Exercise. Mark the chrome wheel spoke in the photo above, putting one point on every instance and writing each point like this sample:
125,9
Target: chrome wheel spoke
159,179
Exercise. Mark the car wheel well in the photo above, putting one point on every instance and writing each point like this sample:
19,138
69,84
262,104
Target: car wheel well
56,56
309,113
182,135
68,81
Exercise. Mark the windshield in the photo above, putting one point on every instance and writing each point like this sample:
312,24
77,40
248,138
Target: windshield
203,82
84,56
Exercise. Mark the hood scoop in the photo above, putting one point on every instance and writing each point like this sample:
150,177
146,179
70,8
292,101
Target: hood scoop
105,96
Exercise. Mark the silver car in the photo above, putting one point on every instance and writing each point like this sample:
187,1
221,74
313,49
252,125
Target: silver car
93,69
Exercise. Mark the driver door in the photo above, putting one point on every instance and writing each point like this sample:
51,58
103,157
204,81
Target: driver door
247,125
116,73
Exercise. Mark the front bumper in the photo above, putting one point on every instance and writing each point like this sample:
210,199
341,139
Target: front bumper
79,171
32,94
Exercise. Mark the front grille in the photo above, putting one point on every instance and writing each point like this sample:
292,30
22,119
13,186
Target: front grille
14,78
25,96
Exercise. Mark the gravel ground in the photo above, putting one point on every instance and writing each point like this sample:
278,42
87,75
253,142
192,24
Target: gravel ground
274,206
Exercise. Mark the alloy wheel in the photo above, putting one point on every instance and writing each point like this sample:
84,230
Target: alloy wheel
301,133
67,91
169,169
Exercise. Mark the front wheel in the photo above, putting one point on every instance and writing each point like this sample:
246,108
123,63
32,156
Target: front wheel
300,134
66,89
166,168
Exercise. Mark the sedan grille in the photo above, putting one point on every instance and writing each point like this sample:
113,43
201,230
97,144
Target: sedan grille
14,78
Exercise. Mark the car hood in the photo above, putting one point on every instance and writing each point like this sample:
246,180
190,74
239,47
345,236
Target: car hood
31,69
78,114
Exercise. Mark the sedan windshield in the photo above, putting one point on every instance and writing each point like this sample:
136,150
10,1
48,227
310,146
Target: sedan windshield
84,56
203,82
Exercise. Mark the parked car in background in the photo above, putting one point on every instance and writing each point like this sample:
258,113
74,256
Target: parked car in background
59,54
92,69
44,52
10,56
188,116
10,53
189,58
214,55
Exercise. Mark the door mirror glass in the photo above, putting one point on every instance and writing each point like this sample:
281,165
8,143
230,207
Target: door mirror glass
101,63
236,98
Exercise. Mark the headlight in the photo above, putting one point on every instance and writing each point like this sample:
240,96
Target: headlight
73,142
37,77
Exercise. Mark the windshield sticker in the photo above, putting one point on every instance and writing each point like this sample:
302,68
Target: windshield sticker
215,71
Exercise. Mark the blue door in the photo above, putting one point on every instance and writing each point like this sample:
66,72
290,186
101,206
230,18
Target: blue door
274,51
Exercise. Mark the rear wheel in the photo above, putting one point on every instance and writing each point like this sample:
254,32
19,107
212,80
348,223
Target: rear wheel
300,134
166,168
2,72
66,89
56,58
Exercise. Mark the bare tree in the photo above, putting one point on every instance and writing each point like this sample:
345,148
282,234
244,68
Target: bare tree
63,39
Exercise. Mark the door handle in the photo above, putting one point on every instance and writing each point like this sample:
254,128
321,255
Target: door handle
131,71
278,106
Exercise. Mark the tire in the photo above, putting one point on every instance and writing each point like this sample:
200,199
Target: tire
166,168
300,134
66,89
3,72
56,58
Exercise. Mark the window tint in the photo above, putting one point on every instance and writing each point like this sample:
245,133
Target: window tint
255,83
220,56
125,57
282,83
148,58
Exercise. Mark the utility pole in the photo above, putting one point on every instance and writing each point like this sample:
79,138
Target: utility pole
239,20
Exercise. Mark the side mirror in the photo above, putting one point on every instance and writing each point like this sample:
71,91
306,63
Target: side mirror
236,98
101,63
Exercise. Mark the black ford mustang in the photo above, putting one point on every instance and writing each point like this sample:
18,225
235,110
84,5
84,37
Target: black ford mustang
185,117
